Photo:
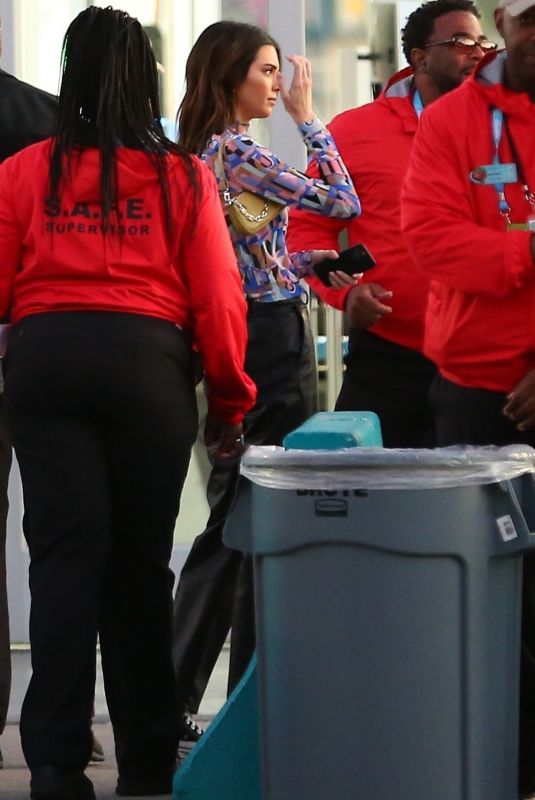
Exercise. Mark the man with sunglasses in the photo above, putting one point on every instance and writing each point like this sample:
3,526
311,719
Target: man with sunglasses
385,369
469,218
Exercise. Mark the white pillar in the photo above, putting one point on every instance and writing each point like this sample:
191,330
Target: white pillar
32,34
10,16
186,22
287,26
16,551
17,560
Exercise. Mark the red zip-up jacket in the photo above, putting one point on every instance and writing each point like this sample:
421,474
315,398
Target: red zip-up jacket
480,325
63,257
375,142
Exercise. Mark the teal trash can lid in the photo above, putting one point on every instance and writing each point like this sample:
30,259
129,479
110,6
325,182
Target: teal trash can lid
336,430
379,468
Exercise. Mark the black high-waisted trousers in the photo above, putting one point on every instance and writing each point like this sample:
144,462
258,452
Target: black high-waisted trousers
103,415
215,591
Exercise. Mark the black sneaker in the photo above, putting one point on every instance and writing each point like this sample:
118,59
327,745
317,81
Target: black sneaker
144,787
50,782
191,732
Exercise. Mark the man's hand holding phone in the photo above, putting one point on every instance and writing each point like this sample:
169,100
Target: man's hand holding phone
344,270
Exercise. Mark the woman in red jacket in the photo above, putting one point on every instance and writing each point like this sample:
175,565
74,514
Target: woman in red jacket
116,264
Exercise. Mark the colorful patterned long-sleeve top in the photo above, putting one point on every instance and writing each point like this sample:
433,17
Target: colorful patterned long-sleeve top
270,273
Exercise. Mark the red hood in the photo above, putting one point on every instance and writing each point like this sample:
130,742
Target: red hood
135,174
399,84
487,79
394,95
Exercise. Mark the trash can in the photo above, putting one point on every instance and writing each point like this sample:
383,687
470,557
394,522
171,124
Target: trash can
387,590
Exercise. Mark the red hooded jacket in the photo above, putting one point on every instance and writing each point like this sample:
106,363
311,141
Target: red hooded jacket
56,257
480,326
375,142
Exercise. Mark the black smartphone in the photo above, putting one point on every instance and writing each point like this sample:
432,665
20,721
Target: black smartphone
354,259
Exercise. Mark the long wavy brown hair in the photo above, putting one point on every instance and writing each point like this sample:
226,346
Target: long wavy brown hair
218,63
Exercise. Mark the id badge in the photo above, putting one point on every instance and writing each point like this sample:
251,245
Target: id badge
494,174
522,226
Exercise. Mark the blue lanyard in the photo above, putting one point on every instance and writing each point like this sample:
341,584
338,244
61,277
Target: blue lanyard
498,124
497,131
417,103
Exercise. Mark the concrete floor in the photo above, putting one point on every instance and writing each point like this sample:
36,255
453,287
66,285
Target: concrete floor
14,778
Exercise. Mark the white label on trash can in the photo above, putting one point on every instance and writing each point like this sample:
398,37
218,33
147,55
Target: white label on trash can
507,529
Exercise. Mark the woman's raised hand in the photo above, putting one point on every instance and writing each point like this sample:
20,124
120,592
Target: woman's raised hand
298,98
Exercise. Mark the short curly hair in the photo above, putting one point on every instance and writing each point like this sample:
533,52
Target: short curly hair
420,23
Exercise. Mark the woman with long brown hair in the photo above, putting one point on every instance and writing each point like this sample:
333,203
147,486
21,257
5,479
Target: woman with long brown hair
232,77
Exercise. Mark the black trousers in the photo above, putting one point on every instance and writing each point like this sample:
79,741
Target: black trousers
215,591
5,660
474,416
393,381
103,416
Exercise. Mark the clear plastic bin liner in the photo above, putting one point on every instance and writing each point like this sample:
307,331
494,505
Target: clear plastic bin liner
379,468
